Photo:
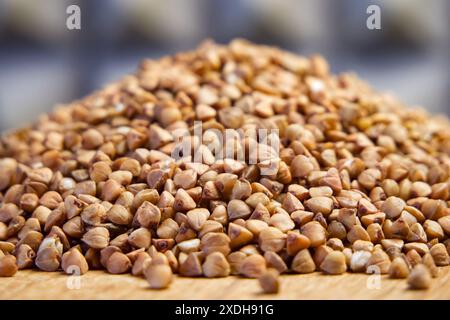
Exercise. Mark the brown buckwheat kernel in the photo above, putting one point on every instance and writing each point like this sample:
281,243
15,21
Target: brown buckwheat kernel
269,281
420,277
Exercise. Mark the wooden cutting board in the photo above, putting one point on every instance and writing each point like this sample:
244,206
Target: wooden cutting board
100,285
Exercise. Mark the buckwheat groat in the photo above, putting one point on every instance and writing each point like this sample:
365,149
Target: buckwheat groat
231,159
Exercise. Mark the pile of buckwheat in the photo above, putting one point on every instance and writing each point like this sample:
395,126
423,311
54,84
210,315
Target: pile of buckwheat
360,183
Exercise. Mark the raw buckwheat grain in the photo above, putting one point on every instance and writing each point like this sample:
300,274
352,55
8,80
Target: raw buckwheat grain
359,181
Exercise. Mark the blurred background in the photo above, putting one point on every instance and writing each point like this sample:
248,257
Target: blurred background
42,63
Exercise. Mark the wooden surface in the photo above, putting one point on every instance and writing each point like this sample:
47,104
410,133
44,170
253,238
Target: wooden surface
100,285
